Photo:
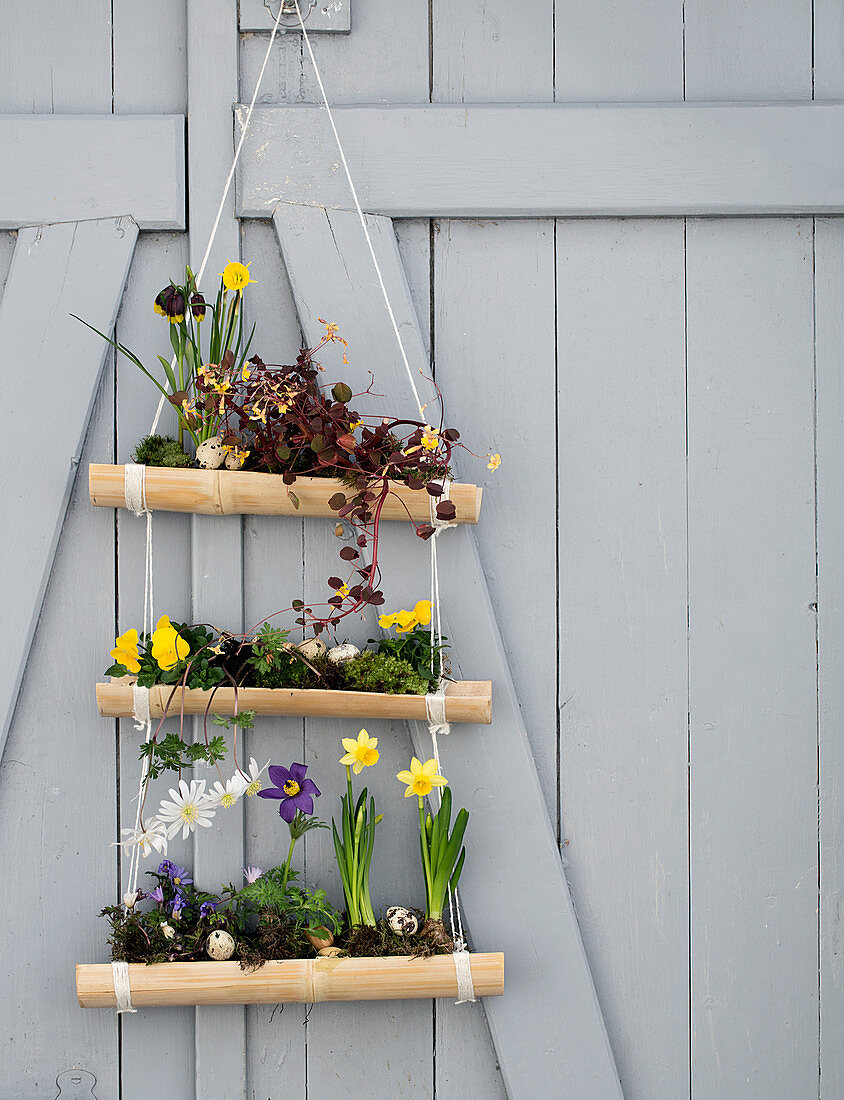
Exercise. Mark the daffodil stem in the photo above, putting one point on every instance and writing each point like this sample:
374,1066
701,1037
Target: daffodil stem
426,859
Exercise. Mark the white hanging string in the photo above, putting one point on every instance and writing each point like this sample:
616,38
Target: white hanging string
134,487
122,988
228,183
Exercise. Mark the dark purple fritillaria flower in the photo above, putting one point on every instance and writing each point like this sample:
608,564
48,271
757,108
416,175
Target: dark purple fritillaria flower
295,791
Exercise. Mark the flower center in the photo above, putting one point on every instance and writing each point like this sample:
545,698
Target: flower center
227,800
291,788
177,882
254,787
189,812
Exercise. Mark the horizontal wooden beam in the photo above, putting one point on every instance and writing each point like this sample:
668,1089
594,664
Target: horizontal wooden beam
302,981
465,701
57,168
455,160
250,492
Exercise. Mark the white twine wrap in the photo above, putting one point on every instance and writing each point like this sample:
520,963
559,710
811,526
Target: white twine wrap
122,989
463,970
134,488
140,707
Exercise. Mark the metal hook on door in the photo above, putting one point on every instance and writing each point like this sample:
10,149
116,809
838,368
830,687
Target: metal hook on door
288,10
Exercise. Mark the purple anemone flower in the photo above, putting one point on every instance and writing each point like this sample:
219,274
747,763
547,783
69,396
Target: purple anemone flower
156,895
179,876
165,867
295,791
207,908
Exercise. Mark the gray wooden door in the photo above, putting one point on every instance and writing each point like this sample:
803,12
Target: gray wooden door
661,543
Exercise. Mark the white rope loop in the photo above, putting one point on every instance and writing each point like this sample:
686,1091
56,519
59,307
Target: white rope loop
140,707
463,970
122,988
134,488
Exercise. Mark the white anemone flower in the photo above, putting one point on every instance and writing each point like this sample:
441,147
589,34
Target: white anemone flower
252,781
190,807
226,794
152,835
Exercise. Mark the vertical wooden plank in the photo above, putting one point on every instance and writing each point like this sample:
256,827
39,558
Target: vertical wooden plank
51,277
829,287
617,52
40,51
216,544
622,568
486,53
149,77
58,812
752,659
761,49
828,52
623,630
515,879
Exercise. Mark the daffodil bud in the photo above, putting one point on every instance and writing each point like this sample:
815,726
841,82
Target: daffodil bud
429,826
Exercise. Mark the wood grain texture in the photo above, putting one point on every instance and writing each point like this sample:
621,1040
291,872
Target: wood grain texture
108,167
761,49
50,278
752,660
245,492
448,160
829,288
57,813
612,51
295,981
216,542
466,701
622,584
569,1046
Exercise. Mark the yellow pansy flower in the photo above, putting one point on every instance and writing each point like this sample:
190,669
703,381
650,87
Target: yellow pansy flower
386,621
430,438
236,275
405,622
421,779
494,462
422,612
125,651
361,753
167,647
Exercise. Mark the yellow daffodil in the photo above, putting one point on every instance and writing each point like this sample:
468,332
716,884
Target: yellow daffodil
430,438
167,647
361,753
494,462
421,779
236,275
125,651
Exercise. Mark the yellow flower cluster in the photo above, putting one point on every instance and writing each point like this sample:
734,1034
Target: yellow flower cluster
405,621
167,647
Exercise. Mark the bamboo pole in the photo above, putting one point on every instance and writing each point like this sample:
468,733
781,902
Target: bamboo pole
233,492
465,701
303,981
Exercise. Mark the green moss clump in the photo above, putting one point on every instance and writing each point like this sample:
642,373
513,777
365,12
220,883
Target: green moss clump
161,450
286,671
382,672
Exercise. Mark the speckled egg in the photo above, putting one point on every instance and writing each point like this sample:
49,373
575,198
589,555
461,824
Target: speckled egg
342,653
313,647
220,945
402,921
211,454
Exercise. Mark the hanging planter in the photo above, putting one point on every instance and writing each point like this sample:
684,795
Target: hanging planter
465,701
248,492
303,981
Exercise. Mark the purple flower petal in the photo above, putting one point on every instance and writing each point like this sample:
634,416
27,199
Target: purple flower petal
309,787
297,772
288,809
272,792
303,802
279,775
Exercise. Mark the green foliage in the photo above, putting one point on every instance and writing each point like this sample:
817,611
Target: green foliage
443,855
161,450
385,673
274,664
267,646
415,648
308,909
202,663
174,754
244,720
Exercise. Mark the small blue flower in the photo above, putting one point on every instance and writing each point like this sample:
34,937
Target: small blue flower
156,895
179,876
179,904
166,867
207,908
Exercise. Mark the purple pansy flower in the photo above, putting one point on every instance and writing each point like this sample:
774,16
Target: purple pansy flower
207,908
295,791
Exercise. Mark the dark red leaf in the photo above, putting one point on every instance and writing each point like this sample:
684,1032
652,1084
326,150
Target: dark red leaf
335,582
347,442
348,553
336,502
446,510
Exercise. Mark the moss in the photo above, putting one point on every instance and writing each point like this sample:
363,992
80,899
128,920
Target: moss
382,672
287,671
161,450
365,941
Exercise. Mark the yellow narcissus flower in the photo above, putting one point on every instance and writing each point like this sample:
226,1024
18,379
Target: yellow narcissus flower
236,275
421,779
125,651
361,753
167,647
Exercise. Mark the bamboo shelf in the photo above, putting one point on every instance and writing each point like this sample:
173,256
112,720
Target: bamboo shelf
246,492
465,701
304,981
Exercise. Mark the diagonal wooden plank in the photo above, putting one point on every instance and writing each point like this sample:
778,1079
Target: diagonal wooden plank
107,164
52,371
536,160
548,1025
